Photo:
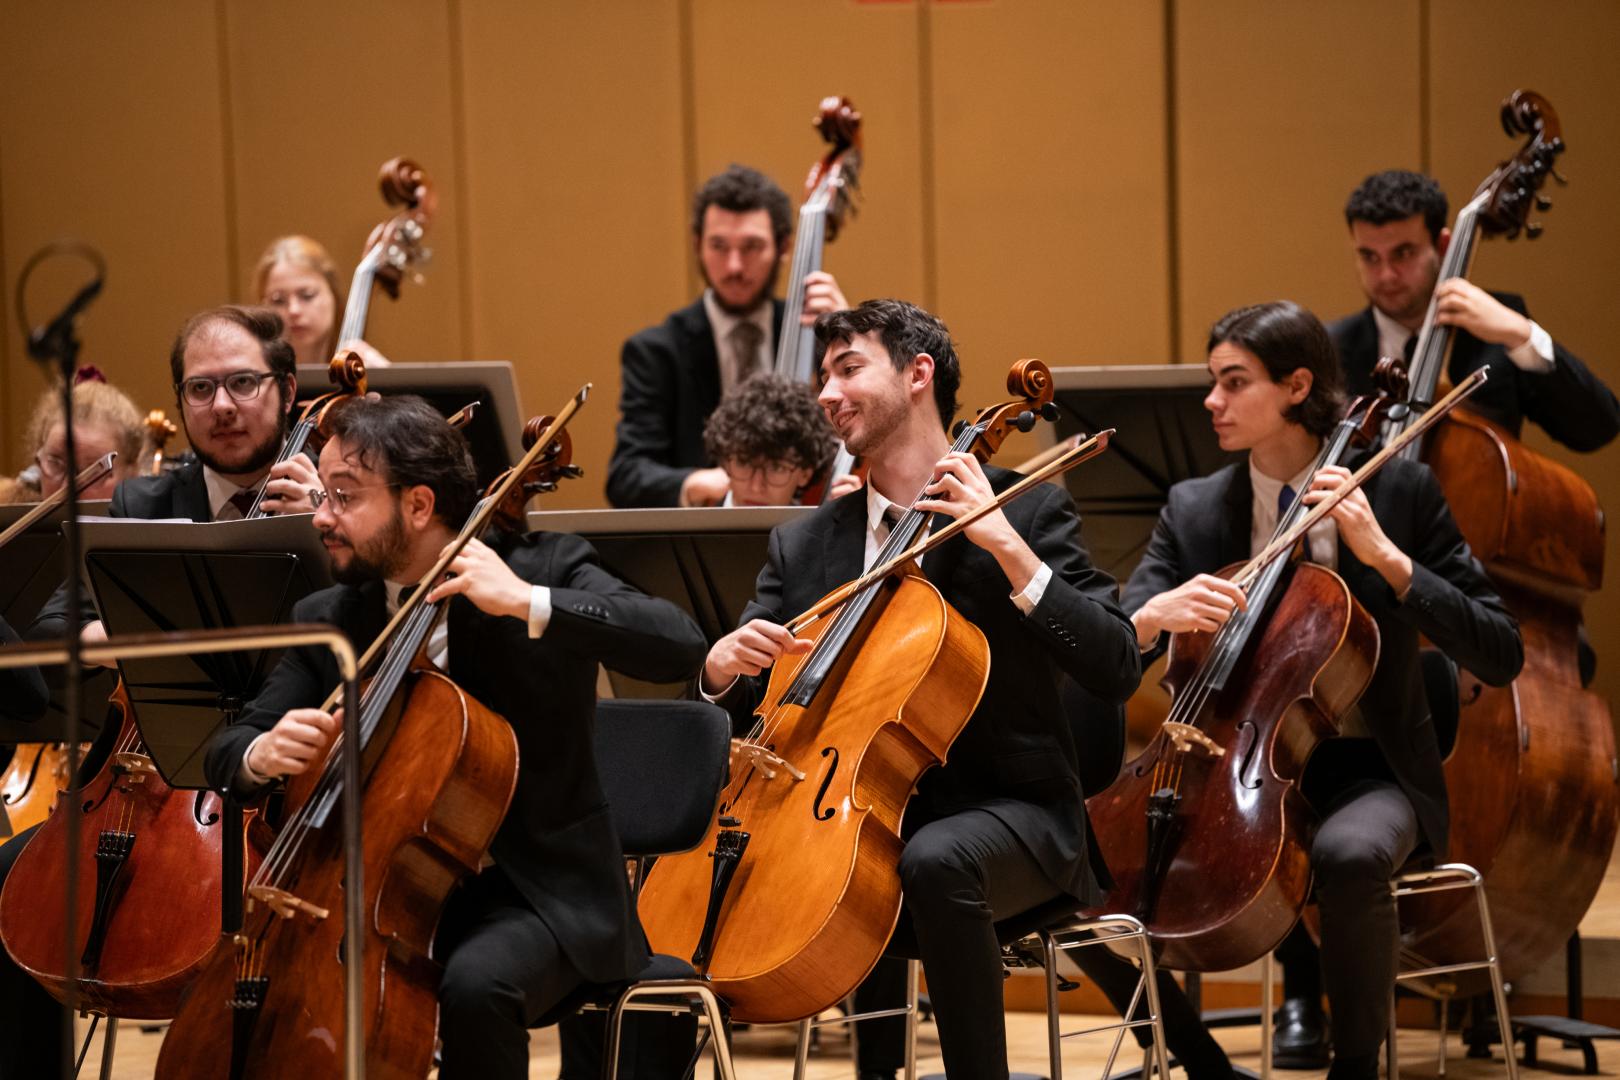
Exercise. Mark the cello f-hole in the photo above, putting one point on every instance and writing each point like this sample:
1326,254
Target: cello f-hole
826,782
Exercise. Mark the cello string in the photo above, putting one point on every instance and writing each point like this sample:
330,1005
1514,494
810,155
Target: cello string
847,618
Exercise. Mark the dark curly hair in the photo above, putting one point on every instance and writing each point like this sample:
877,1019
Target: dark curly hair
261,322
741,189
770,419
1395,195
905,331
408,441
1285,337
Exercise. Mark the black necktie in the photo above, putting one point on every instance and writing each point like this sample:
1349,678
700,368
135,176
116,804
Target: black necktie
243,501
1408,349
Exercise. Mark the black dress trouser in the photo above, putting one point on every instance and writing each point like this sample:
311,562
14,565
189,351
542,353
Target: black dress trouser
34,1047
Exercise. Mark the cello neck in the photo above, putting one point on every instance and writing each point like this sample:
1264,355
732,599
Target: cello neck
358,306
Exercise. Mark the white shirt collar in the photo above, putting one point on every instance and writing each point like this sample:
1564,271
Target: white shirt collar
1392,336
220,491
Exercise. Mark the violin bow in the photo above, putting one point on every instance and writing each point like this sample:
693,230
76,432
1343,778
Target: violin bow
90,474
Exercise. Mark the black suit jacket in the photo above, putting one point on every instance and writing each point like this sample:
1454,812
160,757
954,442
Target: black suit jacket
1568,402
1016,757
1205,526
669,384
178,493
557,843
22,690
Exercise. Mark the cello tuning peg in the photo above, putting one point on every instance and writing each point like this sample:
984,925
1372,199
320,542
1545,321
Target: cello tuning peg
1533,230
1543,203
1558,176
956,431
572,472
1025,421
1049,411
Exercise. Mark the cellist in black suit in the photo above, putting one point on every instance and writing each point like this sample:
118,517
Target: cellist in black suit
529,618
674,374
234,386
1001,827
1379,789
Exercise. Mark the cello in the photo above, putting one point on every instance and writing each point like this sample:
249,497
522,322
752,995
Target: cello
801,892
154,854
1206,832
439,772
829,193
1532,775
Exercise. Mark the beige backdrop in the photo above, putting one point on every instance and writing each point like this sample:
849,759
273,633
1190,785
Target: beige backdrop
1084,181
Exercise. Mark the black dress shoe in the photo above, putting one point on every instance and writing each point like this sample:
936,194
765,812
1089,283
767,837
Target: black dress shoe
1300,1040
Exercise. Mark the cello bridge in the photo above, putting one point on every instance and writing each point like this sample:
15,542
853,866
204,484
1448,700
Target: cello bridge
134,767
285,903
763,758
1184,737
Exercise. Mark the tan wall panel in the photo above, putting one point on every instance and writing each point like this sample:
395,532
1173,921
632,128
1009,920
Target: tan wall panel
110,116
370,85
1281,110
1564,51
1049,156
576,196
816,48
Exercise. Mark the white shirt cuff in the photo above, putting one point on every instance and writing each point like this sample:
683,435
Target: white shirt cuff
714,699
539,610
245,776
1535,355
1030,598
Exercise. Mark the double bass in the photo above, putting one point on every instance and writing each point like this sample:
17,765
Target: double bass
789,901
439,772
1207,833
829,193
1532,777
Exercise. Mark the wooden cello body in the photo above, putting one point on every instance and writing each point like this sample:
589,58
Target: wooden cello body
816,897
1227,878
148,904
1532,776
270,1004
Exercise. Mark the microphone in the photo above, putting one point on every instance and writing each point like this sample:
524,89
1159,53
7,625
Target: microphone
44,342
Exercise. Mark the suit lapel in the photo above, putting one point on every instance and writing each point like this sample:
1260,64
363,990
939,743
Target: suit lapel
191,494
846,541
699,345
1237,518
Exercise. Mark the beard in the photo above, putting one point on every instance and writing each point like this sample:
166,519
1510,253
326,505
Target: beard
375,559
766,291
880,417
259,457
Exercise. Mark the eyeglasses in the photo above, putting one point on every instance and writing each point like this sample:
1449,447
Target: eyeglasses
241,385
777,472
51,466
341,497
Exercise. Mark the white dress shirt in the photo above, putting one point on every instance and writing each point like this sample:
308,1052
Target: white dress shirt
722,322
1323,539
1534,356
220,493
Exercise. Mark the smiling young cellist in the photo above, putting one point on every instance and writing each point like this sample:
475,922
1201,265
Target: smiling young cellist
1000,828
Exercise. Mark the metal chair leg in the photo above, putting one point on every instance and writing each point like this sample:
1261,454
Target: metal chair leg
1054,1015
671,988
1150,979
109,1040
913,1018
1268,1014
1498,989
801,1052
1392,1065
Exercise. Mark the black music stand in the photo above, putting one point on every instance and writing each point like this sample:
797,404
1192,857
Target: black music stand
495,432
32,572
178,576
1163,436
704,560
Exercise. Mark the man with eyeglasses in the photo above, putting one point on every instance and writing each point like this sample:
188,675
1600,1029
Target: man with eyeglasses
234,384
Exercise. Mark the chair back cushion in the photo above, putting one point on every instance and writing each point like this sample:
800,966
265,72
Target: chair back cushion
662,765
